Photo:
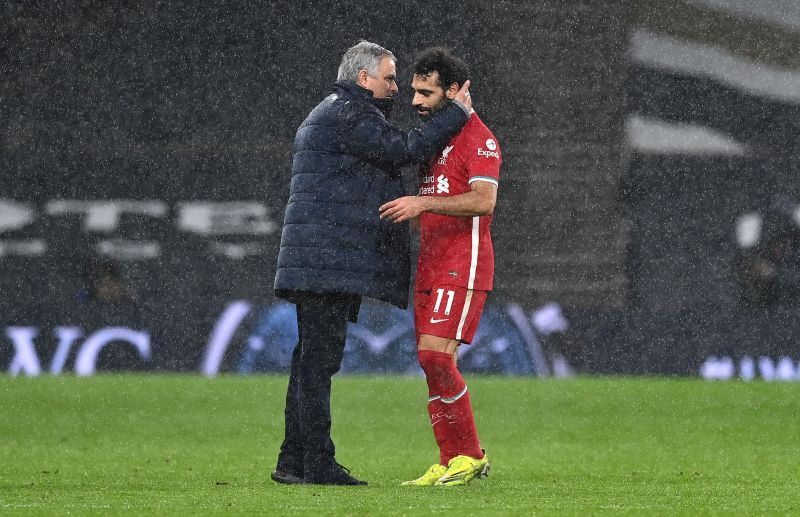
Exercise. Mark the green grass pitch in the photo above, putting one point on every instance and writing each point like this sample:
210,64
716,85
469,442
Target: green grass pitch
171,444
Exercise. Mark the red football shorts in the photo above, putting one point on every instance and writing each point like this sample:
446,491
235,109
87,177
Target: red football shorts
448,311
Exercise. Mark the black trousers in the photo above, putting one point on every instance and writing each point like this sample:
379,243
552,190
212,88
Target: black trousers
322,328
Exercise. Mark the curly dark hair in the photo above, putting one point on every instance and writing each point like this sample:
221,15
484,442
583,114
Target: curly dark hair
440,59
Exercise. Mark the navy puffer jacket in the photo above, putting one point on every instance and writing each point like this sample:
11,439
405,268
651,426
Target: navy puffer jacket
346,165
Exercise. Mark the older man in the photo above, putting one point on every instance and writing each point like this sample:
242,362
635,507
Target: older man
334,247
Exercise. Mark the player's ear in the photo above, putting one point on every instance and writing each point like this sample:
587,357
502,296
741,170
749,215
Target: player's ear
452,90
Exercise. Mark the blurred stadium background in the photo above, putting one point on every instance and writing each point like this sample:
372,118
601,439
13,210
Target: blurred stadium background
647,215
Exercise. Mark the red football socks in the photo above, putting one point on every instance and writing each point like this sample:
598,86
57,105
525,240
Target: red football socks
448,448
449,407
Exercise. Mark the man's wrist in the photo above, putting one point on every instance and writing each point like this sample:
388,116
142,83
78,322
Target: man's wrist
463,106
426,203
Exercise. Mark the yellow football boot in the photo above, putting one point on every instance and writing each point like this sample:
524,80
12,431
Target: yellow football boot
463,469
430,477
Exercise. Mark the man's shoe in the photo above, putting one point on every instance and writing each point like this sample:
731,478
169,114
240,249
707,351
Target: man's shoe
287,478
430,477
331,474
463,469
289,469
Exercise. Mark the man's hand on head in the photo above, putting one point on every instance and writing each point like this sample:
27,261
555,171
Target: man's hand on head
463,96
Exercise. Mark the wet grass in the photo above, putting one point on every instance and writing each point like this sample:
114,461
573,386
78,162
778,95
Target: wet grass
189,445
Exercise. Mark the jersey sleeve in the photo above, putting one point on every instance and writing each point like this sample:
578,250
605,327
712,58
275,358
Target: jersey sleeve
484,159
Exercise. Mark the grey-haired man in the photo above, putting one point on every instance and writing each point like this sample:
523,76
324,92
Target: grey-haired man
334,246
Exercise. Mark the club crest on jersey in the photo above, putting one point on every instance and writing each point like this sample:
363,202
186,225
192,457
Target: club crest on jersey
445,152
442,184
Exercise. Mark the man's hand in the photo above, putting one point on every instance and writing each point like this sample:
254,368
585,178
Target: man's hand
402,208
463,95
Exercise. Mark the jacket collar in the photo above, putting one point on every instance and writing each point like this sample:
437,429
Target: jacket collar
354,90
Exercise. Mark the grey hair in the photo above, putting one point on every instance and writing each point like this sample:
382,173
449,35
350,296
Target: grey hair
362,56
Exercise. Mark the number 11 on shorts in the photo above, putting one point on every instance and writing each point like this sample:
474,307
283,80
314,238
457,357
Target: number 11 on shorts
439,296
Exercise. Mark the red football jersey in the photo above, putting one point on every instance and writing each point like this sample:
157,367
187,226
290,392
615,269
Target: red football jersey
458,250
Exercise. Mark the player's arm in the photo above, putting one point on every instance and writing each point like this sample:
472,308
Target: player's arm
480,200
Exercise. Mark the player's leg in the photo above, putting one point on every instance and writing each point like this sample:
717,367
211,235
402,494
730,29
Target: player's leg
451,398
437,412
451,413
452,313
436,470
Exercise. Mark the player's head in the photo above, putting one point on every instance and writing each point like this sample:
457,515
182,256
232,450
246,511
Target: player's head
370,66
438,75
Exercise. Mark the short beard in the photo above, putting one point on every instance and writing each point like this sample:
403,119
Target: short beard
434,110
